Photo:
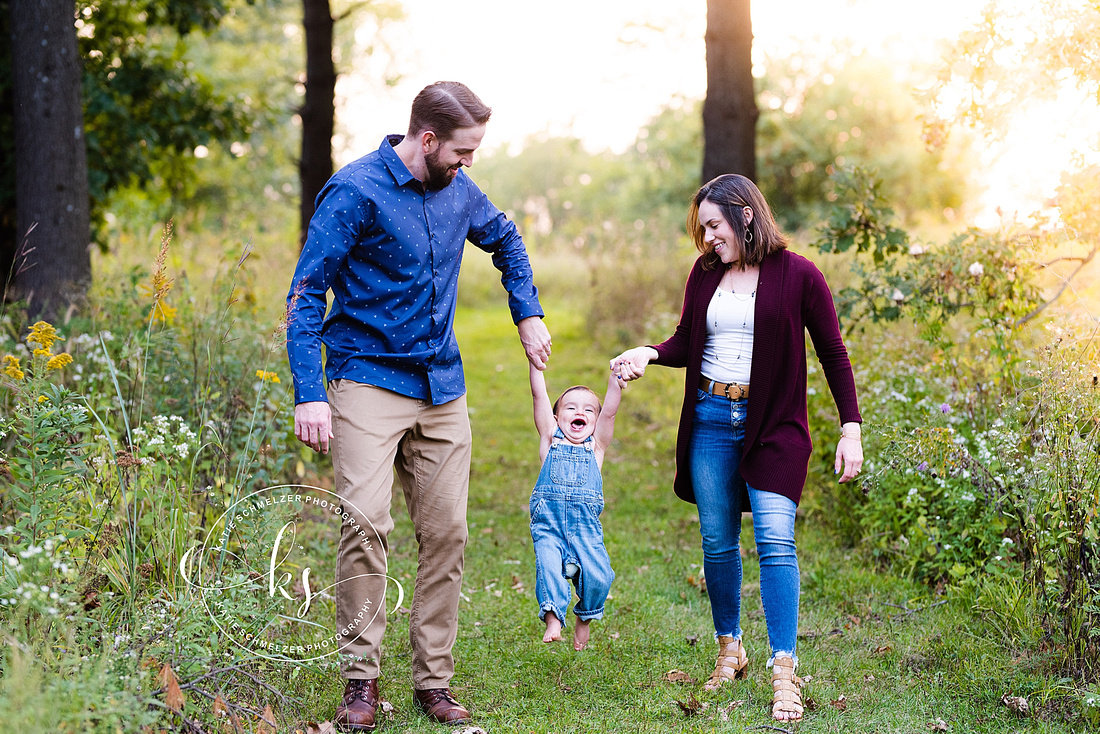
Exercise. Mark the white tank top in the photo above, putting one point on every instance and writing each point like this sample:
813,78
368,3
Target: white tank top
727,354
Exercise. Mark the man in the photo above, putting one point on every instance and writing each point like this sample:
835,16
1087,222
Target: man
387,238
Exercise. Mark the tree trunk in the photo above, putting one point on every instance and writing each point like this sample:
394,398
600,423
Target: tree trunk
729,113
318,110
52,265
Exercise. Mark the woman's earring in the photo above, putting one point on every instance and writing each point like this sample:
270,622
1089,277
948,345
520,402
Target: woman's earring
748,236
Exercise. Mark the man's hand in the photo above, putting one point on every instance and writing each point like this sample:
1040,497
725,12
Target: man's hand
535,338
313,424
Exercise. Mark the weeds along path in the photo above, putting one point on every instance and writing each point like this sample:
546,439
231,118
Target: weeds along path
879,653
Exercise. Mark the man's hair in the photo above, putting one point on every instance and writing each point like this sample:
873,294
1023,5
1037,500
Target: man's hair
599,405
732,192
444,107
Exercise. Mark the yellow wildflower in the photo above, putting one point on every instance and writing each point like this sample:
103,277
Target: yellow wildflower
267,376
42,398
12,368
58,361
43,353
162,283
162,312
44,335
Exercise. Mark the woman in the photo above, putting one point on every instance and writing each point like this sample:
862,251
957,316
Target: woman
743,441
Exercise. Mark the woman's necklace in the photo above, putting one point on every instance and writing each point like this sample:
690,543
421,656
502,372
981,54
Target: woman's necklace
738,299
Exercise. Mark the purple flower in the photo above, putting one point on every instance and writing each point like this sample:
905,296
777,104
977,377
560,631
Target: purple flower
923,466
945,408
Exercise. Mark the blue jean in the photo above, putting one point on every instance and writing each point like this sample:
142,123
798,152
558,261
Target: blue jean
718,435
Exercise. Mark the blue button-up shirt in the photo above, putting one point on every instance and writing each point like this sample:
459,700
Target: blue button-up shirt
390,251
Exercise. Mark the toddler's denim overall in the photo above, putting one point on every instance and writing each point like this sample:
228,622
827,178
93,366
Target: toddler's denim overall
565,527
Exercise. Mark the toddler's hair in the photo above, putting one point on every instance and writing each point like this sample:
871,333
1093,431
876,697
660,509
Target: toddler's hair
578,387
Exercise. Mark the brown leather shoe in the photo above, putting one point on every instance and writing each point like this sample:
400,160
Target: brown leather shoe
357,711
440,705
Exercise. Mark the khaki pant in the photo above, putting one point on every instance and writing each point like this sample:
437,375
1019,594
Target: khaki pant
375,431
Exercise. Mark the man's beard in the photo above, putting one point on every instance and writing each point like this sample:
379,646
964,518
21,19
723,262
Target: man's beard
439,176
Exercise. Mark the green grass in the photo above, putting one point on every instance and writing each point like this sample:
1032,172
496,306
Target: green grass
896,671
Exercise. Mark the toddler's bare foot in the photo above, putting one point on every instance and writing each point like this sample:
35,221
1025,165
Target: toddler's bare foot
553,628
580,634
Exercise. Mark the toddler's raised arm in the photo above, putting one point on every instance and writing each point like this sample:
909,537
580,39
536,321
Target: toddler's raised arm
605,424
543,410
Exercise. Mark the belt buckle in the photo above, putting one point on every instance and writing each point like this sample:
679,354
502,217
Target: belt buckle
740,391
727,391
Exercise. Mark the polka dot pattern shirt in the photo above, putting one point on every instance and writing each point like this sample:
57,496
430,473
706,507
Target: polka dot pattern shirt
390,252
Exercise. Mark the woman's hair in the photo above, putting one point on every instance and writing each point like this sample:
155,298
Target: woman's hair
599,405
733,192
444,107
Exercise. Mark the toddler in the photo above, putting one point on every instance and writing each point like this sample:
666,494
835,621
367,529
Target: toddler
566,504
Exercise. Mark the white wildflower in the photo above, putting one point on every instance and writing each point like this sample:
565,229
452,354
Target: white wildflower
976,269
916,249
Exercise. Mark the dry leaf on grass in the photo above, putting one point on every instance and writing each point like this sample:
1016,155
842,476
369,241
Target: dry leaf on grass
472,730
326,727
690,708
266,724
937,725
840,704
1018,704
692,640
679,676
882,649
170,685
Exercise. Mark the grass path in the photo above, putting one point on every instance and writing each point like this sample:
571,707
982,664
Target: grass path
872,666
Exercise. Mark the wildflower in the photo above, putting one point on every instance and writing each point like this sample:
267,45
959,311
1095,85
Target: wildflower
913,491
1007,541
59,360
12,368
923,466
42,398
967,497
916,249
182,450
976,269
43,334
42,353
945,408
162,312
897,296
267,376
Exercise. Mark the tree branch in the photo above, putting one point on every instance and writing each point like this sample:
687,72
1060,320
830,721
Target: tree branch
1065,284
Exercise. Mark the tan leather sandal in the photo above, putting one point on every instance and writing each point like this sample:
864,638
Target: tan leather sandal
732,660
786,691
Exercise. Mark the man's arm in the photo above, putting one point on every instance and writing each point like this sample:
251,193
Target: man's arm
332,232
493,232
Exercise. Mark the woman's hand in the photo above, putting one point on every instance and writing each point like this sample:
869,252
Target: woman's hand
631,364
849,457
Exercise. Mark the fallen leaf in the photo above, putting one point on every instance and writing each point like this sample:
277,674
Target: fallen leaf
692,640
855,620
472,730
724,711
173,696
614,635
806,679
691,707
1018,704
517,583
220,709
840,704
386,707
882,649
678,676
937,725
266,724
810,704
326,727
869,678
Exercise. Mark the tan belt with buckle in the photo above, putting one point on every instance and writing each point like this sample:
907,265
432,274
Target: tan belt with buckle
731,390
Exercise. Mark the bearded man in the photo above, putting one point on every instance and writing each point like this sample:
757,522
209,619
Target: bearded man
387,238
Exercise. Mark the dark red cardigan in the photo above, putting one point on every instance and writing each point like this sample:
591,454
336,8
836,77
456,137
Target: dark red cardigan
791,298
